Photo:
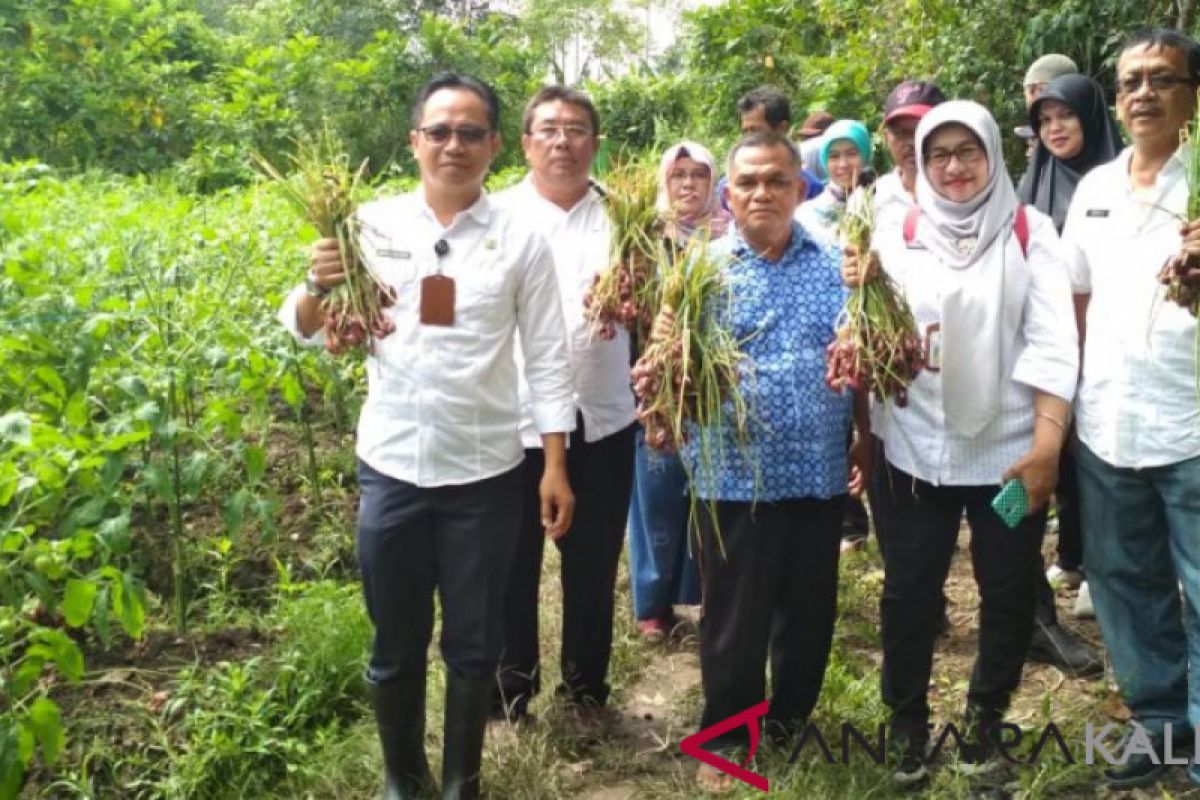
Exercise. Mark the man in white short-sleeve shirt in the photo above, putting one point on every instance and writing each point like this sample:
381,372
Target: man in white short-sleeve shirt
439,456
1138,414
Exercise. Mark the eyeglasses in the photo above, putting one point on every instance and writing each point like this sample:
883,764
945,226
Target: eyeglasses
467,134
682,175
967,155
1159,82
572,133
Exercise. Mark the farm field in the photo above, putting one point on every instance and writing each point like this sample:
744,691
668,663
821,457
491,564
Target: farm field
181,614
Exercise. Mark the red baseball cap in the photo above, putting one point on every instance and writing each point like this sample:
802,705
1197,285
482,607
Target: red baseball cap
911,99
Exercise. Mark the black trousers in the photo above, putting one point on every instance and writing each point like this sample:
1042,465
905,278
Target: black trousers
770,587
922,524
879,488
1066,499
601,475
455,540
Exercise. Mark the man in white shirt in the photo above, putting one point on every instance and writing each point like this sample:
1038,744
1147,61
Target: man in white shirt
1138,415
557,197
903,109
439,457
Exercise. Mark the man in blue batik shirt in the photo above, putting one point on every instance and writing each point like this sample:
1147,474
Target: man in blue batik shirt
769,560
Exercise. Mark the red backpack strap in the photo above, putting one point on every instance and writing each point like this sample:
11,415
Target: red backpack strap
1021,229
910,224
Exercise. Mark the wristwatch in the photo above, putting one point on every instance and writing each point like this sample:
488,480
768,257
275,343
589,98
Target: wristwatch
313,286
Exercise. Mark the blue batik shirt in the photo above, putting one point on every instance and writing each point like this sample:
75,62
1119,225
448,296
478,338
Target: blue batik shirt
785,312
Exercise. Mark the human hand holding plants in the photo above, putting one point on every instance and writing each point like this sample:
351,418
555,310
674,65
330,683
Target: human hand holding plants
857,269
326,264
1181,273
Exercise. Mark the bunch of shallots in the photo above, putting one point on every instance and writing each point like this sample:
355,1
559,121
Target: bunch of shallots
1172,275
626,293
324,188
687,377
876,347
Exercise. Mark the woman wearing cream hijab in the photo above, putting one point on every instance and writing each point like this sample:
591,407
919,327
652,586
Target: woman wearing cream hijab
991,299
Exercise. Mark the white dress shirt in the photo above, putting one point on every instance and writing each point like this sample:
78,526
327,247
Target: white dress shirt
1137,404
820,216
579,239
442,404
891,201
1045,357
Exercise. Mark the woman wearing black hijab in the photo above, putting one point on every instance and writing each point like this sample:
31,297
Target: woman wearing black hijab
1076,132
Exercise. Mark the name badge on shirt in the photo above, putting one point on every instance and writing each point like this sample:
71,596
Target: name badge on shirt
437,300
933,347
1097,212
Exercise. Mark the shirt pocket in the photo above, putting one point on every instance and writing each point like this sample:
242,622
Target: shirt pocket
484,297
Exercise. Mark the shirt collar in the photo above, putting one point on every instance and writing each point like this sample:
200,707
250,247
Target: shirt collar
591,197
742,250
1175,165
480,211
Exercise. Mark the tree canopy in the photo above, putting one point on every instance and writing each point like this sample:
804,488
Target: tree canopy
197,85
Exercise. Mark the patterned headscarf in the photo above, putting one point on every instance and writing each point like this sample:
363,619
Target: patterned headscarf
710,215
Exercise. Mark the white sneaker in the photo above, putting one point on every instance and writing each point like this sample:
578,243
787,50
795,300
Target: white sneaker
1083,603
1060,578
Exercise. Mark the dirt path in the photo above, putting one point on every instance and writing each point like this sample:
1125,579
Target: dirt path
660,704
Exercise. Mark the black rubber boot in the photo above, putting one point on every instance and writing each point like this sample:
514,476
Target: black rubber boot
400,716
468,702
1055,645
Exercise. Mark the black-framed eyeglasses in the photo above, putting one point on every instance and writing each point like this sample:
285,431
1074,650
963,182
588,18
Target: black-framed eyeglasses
1159,82
467,134
967,155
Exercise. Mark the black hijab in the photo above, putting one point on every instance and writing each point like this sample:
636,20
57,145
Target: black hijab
1051,181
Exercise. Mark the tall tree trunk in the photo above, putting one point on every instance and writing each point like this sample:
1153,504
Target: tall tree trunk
1187,15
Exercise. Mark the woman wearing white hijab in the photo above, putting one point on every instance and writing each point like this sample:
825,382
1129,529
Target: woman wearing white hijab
990,294
661,570
687,193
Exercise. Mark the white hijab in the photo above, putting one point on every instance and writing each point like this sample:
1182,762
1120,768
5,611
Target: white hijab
701,155
982,312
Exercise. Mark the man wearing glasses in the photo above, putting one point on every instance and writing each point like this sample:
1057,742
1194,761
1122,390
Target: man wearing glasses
559,199
439,458
1138,416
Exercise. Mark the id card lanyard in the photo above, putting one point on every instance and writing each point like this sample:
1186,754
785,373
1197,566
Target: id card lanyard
437,292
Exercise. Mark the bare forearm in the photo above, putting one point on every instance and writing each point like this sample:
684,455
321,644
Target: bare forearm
310,315
1081,307
1052,418
554,450
862,415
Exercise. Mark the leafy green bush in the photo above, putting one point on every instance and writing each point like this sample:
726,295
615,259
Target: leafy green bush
244,726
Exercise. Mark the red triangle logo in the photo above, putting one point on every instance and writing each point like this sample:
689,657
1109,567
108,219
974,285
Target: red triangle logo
691,745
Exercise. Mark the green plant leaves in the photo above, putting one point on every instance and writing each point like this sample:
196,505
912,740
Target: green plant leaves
45,722
256,463
78,601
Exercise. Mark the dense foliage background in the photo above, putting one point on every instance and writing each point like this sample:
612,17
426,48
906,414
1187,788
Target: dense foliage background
178,613
194,85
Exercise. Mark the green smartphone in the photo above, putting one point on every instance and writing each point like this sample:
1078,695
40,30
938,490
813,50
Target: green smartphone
1012,503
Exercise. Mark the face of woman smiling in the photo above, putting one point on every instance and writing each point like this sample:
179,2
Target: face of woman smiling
843,163
955,162
1059,129
688,186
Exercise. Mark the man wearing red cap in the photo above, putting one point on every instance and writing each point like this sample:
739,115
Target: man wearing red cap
903,109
